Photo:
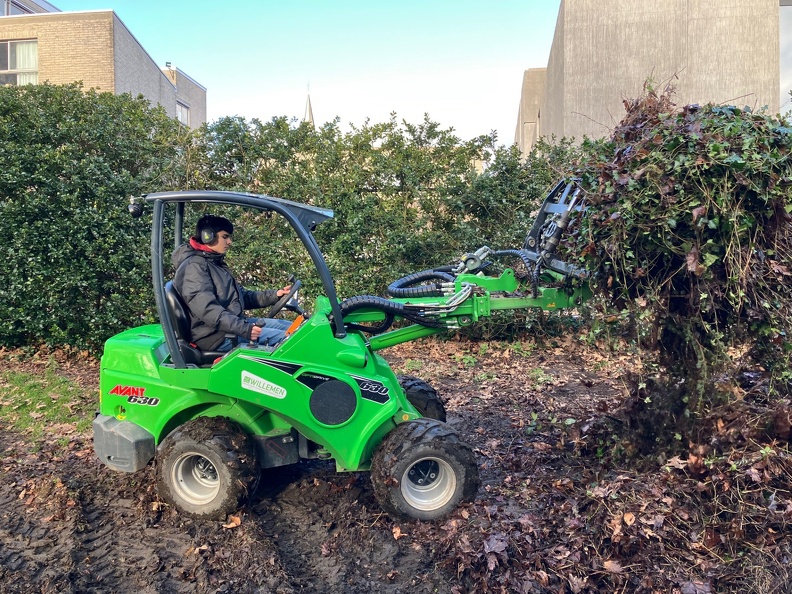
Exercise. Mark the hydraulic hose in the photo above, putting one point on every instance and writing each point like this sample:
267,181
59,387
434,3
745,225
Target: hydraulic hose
521,254
391,310
403,287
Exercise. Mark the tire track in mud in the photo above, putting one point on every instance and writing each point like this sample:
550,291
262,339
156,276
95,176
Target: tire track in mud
31,550
332,538
69,525
116,552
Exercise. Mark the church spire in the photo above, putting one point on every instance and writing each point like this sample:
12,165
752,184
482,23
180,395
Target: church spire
309,112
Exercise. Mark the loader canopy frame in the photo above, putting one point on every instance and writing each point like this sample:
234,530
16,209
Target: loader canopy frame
303,219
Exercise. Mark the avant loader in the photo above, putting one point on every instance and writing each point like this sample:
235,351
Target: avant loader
213,421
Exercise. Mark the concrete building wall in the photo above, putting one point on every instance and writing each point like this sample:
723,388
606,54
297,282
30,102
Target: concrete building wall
192,95
744,68
719,51
610,49
528,116
552,106
785,31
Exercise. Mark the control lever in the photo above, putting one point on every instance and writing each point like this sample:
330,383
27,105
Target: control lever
260,323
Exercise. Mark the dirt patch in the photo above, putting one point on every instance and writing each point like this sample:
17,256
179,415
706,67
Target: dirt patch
562,507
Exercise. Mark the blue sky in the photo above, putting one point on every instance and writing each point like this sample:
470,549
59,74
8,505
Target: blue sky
460,61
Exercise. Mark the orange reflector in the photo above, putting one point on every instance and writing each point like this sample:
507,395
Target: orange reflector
295,324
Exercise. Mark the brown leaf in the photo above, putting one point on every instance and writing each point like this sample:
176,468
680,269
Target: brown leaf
464,544
496,543
711,538
696,587
629,518
692,260
656,521
699,212
612,566
397,533
753,474
676,462
233,522
782,423
695,464
576,584
616,525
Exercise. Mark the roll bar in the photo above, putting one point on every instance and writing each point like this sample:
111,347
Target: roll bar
303,218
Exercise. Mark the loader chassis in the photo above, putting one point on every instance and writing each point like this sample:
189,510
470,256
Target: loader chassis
323,392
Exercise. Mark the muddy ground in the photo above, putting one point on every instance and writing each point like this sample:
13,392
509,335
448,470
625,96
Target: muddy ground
562,507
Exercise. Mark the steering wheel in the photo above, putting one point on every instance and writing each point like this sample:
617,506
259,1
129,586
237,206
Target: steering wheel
281,303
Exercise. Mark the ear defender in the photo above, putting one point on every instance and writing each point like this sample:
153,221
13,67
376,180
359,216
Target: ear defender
207,235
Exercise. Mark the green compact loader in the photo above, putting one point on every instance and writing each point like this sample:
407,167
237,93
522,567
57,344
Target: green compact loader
213,420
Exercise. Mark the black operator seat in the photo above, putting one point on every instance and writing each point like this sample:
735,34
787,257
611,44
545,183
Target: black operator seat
180,318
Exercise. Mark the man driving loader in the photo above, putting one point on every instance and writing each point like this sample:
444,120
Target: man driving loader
216,301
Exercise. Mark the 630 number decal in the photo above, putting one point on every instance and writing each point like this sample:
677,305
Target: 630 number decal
143,400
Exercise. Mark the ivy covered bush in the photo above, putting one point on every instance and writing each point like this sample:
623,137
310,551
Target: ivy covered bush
74,265
688,232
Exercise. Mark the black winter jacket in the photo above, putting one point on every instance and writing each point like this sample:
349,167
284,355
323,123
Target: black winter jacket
215,299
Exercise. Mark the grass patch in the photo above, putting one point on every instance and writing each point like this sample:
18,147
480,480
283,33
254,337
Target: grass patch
31,401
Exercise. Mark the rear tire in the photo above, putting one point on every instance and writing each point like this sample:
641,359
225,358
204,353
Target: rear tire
207,467
423,397
422,471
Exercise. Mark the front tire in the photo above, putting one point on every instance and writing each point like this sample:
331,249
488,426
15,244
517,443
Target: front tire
422,471
423,397
207,467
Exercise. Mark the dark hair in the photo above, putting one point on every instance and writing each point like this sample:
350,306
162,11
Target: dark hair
216,224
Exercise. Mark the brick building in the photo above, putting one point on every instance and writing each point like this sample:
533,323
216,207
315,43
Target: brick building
39,43
720,51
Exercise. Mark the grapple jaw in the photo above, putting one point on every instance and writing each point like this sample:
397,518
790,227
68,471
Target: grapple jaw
551,223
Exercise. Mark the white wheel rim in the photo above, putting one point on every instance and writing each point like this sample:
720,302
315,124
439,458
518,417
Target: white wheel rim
428,484
196,479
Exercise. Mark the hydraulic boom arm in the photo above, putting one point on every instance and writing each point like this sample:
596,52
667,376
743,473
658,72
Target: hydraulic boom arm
453,297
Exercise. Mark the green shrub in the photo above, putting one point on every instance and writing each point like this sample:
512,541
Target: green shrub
689,228
406,197
75,266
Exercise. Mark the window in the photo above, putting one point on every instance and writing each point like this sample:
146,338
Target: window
183,113
12,7
19,62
